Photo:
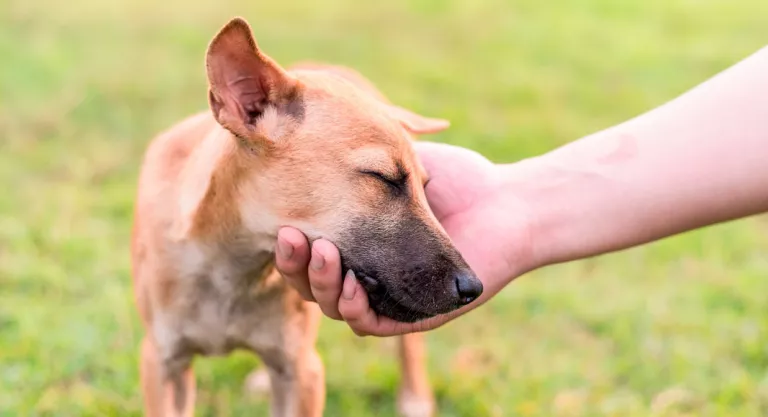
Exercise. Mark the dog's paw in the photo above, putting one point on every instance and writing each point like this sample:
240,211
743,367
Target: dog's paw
412,405
257,383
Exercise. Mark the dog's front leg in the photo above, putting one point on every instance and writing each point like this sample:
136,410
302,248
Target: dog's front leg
168,391
298,384
287,348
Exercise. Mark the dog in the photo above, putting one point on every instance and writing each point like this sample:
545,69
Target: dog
314,147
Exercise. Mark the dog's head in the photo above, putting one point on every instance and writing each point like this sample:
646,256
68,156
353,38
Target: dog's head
335,161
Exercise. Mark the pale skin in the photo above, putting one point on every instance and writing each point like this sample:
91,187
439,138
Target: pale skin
697,160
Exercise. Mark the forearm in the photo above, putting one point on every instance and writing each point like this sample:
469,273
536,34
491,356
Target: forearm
698,160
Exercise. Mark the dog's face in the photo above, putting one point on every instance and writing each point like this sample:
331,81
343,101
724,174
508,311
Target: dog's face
328,157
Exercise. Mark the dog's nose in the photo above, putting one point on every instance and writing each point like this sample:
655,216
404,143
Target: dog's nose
468,287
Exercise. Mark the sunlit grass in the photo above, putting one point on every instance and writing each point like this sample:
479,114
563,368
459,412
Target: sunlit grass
676,328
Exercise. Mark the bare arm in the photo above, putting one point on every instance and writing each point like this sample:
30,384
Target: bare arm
700,159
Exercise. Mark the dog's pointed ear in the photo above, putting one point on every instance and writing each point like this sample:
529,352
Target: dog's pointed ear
416,123
243,81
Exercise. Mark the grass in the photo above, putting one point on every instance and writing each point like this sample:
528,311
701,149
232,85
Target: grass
677,328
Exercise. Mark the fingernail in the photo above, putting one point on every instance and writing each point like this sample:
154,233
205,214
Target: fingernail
317,262
350,286
284,249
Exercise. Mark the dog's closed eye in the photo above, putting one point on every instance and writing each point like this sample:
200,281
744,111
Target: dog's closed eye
396,183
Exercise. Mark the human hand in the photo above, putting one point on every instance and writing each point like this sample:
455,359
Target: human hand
470,196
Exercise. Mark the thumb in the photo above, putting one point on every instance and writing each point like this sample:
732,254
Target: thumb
430,154
437,157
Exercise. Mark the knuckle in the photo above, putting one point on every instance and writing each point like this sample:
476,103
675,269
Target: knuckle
319,285
292,279
351,314
285,271
287,268
330,312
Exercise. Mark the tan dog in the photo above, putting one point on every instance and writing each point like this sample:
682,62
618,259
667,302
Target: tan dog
316,148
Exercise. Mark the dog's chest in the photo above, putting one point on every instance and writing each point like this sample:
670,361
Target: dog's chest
223,301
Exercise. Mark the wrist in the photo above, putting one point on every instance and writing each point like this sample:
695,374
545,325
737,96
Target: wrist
557,202
590,197
520,192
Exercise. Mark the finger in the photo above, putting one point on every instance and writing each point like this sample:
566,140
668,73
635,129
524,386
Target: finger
325,277
292,259
354,308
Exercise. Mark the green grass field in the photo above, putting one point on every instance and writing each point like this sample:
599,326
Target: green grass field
678,328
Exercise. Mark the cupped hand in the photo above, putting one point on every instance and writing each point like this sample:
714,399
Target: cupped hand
473,200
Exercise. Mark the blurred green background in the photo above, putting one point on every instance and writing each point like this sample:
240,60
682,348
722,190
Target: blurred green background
677,328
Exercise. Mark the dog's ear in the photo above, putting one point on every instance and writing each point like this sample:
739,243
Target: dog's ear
416,123
243,81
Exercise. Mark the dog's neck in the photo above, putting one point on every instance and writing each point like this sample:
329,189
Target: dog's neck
209,203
